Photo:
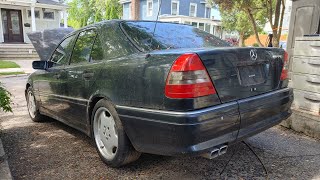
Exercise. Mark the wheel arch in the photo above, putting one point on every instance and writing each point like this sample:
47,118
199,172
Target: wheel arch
91,103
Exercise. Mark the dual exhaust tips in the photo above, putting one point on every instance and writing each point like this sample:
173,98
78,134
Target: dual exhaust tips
218,151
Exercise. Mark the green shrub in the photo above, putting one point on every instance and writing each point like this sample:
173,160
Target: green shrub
255,45
5,100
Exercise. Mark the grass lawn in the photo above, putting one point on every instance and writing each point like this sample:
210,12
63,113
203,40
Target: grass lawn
8,64
10,73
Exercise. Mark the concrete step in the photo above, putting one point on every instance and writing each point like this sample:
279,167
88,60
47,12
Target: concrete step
16,46
18,55
17,52
16,49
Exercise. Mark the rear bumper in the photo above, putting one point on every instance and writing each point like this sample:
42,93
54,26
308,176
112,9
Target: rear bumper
194,132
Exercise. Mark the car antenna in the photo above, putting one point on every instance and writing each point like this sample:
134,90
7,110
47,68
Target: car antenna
155,26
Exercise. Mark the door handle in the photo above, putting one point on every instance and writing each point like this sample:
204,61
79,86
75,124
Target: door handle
87,75
57,76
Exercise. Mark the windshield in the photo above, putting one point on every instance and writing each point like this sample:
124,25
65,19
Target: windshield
169,36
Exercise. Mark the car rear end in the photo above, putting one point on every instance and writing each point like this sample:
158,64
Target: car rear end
213,95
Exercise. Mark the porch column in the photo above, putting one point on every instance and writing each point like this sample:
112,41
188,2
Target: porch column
33,19
65,19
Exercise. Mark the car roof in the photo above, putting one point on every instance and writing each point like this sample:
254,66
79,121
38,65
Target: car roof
118,21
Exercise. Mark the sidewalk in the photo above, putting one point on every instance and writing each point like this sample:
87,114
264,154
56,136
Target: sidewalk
8,70
25,66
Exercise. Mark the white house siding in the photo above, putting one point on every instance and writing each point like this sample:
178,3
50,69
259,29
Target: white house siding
41,23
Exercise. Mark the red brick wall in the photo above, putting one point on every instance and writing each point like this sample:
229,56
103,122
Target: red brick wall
135,7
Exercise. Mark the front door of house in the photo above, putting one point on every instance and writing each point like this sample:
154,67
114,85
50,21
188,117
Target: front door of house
12,25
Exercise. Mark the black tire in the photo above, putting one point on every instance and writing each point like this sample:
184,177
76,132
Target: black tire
37,117
125,152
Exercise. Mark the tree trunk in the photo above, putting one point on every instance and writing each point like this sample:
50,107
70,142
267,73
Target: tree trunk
278,37
255,29
241,39
275,39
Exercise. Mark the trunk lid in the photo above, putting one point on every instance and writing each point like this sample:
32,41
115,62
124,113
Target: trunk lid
45,42
239,73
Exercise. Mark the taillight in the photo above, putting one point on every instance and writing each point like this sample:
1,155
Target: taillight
285,68
188,78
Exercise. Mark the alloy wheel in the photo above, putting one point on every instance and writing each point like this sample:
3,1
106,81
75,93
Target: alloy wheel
105,133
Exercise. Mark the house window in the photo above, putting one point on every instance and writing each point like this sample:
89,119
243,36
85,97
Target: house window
201,26
208,12
149,7
36,14
48,15
195,24
207,27
175,8
193,10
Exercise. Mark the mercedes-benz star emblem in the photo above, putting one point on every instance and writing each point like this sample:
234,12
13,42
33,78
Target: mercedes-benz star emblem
253,54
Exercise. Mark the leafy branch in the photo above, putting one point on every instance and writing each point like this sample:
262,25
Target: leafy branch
5,100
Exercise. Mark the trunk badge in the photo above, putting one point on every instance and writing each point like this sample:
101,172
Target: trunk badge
253,54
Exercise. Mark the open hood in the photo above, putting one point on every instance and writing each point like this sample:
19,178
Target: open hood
46,41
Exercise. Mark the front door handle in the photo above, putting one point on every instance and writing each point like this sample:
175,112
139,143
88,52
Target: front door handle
87,75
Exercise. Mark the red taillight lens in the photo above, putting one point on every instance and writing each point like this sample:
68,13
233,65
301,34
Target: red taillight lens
188,78
285,68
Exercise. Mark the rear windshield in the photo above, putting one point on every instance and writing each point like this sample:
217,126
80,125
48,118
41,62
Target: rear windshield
169,36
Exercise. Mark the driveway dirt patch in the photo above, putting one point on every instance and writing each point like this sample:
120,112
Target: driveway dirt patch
52,150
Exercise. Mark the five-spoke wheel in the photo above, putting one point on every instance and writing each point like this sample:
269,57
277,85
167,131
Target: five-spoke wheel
105,133
112,143
32,106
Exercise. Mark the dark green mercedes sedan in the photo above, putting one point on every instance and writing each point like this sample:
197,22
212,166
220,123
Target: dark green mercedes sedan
162,88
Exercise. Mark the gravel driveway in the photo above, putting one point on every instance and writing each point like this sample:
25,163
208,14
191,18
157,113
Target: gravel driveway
52,150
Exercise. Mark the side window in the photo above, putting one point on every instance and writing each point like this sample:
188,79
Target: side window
82,49
62,54
97,52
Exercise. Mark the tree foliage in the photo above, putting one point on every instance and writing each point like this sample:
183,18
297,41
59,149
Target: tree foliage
85,12
5,100
235,20
257,12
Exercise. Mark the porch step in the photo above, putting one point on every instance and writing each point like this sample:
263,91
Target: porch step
17,52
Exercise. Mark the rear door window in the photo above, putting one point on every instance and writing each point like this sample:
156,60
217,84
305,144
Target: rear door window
151,36
82,49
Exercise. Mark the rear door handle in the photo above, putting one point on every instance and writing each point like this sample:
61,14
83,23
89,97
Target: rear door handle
87,75
57,76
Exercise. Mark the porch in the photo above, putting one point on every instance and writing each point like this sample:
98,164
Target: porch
22,51
19,17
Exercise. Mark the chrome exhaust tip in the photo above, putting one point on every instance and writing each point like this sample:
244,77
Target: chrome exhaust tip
211,154
223,150
215,152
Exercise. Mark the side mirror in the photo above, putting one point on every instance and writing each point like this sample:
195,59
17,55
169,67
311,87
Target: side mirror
42,65
39,65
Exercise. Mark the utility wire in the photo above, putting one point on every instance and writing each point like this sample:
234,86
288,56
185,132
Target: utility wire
264,167
250,148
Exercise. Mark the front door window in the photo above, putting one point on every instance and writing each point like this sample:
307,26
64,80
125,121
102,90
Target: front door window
12,25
